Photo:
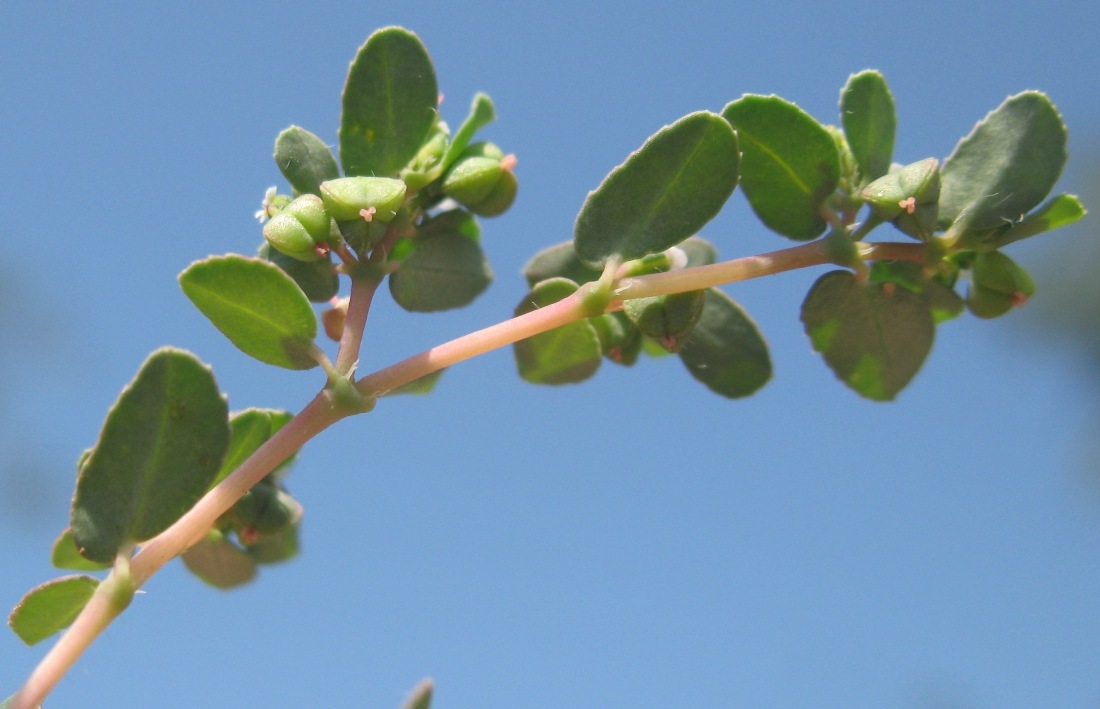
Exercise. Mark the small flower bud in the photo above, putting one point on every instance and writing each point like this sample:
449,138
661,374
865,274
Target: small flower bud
998,285
345,197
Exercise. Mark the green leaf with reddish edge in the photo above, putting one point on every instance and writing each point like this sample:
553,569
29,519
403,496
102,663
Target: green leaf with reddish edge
390,101
874,337
1006,166
249,429
1063,210
445,271
558,261
51,607
65,555
161,445
257,306
664,192
725,351
869,120
304,160
565,355
218,562
789,166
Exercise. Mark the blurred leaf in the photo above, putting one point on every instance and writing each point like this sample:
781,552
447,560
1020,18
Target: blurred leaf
1006,166
65,555
481,114
867,114
790,164
565,355
249,429
700,252
421,695
725,351
423,385
390,101
160,447
558,261
317,279
664,192
872,336
51,607
1063,210
304,160
257,306
218,562
445,271
275,548
998,284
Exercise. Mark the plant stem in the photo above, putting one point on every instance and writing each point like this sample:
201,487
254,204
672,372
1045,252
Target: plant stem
188,529
363,288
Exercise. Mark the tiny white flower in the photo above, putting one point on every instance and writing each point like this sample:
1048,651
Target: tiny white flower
269,197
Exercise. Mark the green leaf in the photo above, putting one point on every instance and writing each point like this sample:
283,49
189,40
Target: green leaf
160,447
304,160
700,252
390,101
790,164
51,607
1063,210
317,279
421,695
725,351
219,563
422,385
481,114
867,114
664,192
564,355
874,337
275,548
558,261
1006,166
249,429
257,306
65,555
445,271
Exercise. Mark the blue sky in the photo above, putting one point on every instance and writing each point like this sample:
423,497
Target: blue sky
633,541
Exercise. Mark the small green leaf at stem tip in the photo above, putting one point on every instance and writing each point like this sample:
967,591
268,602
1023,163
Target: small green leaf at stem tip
1006,166
725,351
257,306
873,336
446,271
304,160
161,446
481,114
869,119
565,355
663,193
51,607
389,104
65,555
790,164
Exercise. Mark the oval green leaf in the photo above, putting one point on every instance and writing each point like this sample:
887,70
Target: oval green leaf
790,164
161,446
664,192
65,555
725,351
1063,210
304,160
1006,166
874,337
564,355
869,120
390,101
51,607
249,429
447,270
558,261
257,306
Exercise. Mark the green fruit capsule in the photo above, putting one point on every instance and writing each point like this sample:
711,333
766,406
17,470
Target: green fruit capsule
909,197
481,180
289,237
998,285
265,509
668,319
347,197
311,212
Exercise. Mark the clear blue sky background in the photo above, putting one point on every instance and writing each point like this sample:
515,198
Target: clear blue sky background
634,541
